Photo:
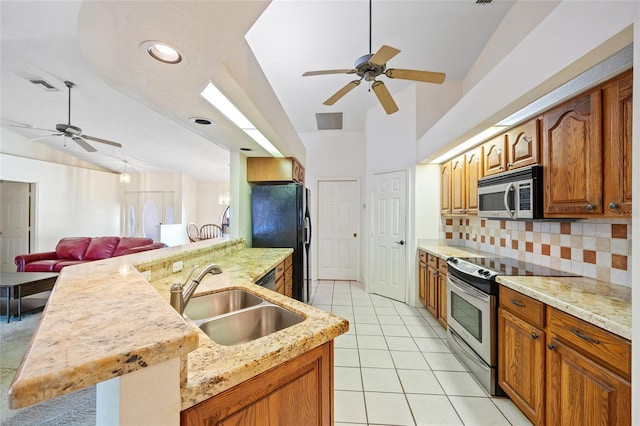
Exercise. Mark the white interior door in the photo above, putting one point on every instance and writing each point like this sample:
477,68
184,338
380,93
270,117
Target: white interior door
388,270
14,222
339,227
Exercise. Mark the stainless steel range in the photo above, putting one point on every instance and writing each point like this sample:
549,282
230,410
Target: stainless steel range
472,311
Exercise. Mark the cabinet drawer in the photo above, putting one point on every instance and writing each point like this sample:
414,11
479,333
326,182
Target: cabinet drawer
423,256
280,270
288,262
432,261
443,268
592,340
523,306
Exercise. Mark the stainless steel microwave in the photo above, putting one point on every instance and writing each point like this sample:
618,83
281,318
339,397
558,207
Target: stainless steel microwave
516,194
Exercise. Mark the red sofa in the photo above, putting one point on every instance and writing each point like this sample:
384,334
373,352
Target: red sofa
75,250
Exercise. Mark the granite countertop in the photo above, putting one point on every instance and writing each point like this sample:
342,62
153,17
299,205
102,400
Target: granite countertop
603,304
85,335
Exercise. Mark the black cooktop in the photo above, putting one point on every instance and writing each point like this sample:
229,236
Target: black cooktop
510,266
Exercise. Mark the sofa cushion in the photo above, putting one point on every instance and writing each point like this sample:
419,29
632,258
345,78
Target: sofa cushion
101,248
41,266
148,247
72,248
64,263
129,242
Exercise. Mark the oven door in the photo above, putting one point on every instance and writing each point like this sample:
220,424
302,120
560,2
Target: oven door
471,314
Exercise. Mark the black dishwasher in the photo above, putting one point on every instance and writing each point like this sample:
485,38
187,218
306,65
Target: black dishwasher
269,280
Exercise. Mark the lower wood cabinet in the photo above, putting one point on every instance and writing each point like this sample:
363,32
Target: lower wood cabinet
432,285
284,277
422,277
560,370
298,392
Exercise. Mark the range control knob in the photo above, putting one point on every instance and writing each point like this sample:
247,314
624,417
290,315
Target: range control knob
481,271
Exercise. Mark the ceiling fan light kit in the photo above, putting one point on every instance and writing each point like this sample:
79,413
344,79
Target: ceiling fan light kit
370,66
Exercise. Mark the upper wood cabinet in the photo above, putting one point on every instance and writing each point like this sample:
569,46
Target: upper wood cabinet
445,188
617,97
523,145
473,172
494,158
270,169
458,195
572,157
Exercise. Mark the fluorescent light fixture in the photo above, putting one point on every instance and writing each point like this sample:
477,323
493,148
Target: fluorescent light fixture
216,98
469,143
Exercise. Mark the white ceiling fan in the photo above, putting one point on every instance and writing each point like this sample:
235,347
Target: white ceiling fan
69,131
370,66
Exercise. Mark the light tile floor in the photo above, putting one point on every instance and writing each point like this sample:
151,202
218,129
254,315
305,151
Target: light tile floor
394,367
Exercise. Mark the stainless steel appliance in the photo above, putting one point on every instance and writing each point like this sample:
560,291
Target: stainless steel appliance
279,219
512,195
472,311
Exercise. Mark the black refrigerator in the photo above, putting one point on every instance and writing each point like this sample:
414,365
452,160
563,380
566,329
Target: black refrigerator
280,219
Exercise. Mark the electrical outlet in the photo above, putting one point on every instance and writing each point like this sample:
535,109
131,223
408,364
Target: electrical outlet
178,266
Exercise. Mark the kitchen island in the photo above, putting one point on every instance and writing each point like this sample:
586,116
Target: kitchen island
110,319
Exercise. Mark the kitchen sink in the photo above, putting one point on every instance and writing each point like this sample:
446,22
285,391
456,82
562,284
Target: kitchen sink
215,304
249,324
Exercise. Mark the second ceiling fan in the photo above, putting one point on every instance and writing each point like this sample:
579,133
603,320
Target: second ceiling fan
370,66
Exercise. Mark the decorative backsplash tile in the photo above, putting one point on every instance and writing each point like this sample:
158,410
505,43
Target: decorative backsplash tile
598,248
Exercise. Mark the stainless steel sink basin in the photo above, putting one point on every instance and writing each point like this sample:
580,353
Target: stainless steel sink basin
214,304
249,324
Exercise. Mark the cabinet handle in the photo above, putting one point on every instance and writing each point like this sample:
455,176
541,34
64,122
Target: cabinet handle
584,336
534,336
517,302
590,207
509,165
551,347
613,205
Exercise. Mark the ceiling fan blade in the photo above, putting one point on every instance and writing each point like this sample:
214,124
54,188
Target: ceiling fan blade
384,97
324,72
80,141
340,93
108,142
426,76
30,127
383,55
37,138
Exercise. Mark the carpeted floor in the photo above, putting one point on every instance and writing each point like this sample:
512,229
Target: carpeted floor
75,409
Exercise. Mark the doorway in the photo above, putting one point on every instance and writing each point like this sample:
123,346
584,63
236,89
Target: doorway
338,230
15,222
388,225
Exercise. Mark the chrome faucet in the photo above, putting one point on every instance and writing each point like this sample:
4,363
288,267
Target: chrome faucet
180,296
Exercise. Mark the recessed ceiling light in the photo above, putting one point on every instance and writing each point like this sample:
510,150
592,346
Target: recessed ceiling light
163,52
201,121
246,149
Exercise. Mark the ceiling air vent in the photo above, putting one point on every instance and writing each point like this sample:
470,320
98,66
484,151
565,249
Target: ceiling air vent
44,83
329,120
483,1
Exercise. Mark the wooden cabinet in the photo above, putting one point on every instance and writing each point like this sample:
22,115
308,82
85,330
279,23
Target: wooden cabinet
523,145
617,97
299,391
588,374
458,196
561,370
473,172
422,277
445,188
572,158
494,159
270,169
521,351
284,276
442,292
280,277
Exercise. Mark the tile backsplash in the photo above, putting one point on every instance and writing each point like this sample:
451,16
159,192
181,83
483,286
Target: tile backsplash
598,248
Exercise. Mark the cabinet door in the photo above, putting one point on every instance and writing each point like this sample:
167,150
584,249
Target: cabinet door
458,196
581,392
572,158
617,120
442,300
521,350
432,291
473,172
422,283
494,155
523,145
445,188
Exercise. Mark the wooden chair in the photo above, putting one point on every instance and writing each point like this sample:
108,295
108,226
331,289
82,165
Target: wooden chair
192,232
209,231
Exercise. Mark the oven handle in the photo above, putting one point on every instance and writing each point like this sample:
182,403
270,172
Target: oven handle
470,353
465,288
506,200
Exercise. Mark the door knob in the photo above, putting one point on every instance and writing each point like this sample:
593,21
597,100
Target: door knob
401,242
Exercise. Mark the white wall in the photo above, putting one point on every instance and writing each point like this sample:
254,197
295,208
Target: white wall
209,208
427,202
334,154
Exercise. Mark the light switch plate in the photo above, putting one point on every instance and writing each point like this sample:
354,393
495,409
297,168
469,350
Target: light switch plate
178,266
